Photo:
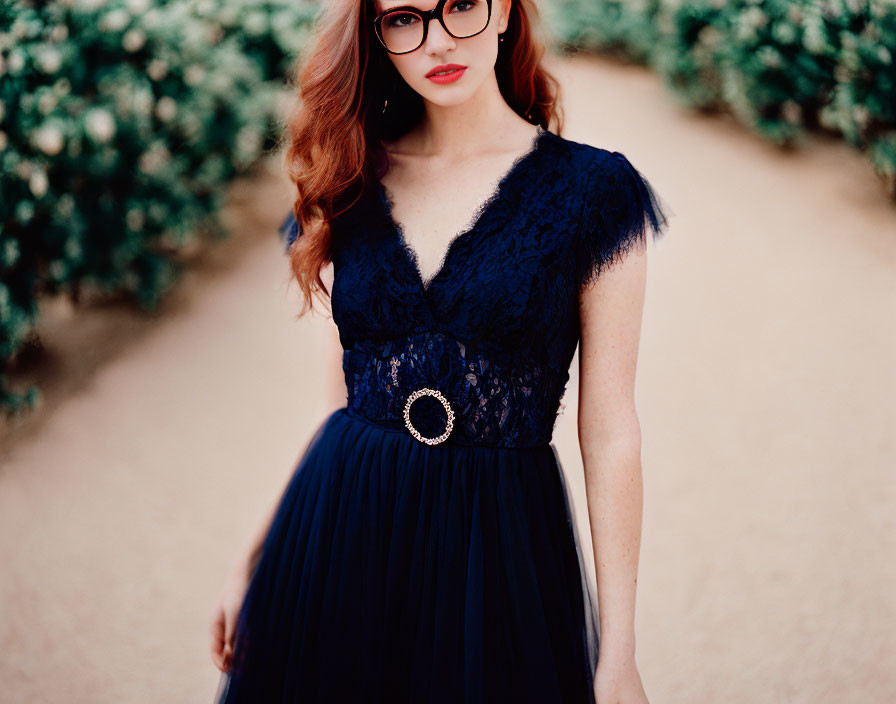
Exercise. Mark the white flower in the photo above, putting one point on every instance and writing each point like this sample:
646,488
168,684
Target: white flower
57,269
194,34
215,34
23,169
792,112
154,158
138,7
849,41
220,83
884,55
194,74
862,115
46,102
59,33
158,211
19,27
248,142
100,124
784,32
10,256
166,108
72,248
133,40
4,140
709,36
157,69
255,24
142,102
813,36
769,56
842,74
151,18
190,125
48,59
90,4
135,219
228,15
62,87
16,61
38,183
115,20
754,17
24,210
49,139
65,206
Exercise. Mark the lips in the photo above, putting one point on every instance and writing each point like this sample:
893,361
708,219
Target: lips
443,68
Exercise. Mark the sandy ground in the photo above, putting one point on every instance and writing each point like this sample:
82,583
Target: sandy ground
765,391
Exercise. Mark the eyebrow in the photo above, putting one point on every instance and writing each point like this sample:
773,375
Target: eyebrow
386,5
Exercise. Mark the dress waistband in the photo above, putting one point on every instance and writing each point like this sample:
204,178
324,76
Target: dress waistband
430,387
452,440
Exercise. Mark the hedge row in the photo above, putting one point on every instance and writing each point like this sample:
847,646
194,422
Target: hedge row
121,123
780,67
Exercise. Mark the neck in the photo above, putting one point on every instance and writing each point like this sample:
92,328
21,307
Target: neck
455,132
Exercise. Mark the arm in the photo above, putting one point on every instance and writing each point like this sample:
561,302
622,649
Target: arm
610,442
622,211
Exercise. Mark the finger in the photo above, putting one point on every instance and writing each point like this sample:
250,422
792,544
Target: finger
214,620
230,628
216,629
217,656
217,640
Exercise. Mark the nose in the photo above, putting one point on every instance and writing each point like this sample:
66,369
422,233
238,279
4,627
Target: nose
437,39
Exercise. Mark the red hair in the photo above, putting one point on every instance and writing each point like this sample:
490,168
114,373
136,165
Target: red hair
333,135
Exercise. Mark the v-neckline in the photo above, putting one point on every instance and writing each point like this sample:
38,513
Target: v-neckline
397,231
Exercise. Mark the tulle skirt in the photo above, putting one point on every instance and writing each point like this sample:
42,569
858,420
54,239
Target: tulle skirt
399,572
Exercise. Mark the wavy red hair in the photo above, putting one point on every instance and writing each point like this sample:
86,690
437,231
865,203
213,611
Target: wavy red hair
332,136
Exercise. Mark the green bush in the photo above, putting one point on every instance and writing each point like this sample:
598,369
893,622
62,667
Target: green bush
121,123
780,67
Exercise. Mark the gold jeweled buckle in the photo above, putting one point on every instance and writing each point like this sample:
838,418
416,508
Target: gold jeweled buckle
407,415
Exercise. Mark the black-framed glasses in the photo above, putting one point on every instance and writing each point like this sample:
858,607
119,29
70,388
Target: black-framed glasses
402,30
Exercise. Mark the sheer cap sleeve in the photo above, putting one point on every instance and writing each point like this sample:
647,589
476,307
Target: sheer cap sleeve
290,230
621,210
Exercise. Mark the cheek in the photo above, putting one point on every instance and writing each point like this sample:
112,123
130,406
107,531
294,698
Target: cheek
479,53
484,48
412,68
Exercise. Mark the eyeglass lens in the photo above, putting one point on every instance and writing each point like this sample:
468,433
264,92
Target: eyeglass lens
402,30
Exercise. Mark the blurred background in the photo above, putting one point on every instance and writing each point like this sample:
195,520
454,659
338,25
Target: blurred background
157,388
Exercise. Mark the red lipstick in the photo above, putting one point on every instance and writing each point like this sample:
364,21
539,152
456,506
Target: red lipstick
454,71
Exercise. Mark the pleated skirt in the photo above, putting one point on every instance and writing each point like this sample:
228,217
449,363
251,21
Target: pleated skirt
400,572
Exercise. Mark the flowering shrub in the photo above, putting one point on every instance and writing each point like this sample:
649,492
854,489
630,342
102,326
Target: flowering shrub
779,66
121,122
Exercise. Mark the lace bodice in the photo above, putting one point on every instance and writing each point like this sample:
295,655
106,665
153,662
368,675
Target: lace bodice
496,327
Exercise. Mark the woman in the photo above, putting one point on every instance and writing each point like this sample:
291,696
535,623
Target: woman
424,549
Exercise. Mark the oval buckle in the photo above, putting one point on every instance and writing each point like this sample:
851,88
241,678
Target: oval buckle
444,401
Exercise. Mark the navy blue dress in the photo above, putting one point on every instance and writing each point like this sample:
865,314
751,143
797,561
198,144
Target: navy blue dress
425,550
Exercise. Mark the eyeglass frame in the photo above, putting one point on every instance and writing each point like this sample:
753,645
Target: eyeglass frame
426,15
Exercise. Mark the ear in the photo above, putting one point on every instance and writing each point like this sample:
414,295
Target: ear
504,15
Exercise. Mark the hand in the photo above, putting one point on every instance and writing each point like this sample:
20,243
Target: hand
224,615
617,681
